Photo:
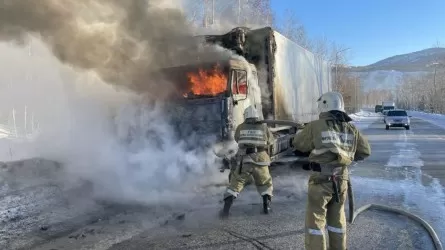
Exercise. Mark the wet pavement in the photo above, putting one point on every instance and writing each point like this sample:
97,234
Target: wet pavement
406,170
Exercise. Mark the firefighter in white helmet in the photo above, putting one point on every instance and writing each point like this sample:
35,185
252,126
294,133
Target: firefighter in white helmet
333,144
254,139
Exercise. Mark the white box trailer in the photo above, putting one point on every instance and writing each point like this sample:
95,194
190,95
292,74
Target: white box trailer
388,105
291,78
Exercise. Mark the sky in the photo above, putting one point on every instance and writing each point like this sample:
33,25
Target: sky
372,29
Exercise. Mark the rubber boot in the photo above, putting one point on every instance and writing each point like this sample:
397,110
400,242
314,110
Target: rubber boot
227,204
266,203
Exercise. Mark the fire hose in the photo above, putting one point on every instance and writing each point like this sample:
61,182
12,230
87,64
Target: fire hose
354,213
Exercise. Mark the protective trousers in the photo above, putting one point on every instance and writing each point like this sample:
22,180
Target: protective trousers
322,208
260,174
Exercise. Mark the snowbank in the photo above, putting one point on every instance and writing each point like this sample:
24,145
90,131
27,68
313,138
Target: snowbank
364,119
4,132
436,119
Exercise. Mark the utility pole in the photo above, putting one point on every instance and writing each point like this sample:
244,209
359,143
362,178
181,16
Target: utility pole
204,14
434,78
213,12
239,12
357,92
15,124
26,127
208,7
435,94
204,17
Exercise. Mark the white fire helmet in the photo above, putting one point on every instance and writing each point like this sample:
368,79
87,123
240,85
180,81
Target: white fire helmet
331,101
251,112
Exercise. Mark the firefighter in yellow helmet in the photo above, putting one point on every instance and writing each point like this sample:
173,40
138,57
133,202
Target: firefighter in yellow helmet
254,139
333,144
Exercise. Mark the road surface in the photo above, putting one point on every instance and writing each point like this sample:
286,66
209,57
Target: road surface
406,170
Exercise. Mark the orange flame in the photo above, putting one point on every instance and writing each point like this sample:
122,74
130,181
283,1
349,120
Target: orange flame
212,82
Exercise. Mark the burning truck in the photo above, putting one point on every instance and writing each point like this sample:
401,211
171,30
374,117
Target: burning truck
271,72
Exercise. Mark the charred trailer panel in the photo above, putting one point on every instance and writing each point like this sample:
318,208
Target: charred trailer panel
299,79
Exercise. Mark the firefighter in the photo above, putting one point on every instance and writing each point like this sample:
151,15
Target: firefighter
254,139
333,144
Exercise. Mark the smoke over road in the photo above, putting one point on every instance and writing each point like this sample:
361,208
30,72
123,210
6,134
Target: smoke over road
99,113
121,41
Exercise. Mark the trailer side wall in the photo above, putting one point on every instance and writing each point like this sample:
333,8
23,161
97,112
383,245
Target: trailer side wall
299,79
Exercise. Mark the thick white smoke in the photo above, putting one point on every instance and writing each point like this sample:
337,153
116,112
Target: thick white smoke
100,118
117,140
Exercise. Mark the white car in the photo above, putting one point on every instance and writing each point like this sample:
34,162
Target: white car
397,118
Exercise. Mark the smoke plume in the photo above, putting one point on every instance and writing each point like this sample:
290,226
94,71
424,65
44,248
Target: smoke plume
98,112
121,41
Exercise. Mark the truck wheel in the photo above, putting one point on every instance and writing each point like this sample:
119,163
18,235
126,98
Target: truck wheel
387,127
407,127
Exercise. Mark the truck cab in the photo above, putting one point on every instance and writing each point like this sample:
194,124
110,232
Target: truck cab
210,97
209,102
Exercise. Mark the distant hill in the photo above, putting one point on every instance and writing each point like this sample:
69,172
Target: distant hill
389,72
411,62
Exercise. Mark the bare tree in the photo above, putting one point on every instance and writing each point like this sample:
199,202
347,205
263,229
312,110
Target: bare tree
321,47
290,27
425,91
222,15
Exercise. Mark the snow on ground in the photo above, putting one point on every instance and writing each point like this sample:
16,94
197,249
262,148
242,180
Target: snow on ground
412,190
364,119
4,132
425,201
422,194
436,119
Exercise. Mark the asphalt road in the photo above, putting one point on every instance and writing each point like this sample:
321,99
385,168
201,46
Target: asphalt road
406,170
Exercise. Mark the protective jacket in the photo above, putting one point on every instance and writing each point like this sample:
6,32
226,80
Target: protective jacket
332,140
254,140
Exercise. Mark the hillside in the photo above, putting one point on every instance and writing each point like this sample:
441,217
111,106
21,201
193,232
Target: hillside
411,62
389,72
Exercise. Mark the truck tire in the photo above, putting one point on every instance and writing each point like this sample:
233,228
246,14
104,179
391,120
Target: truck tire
387,127
407,127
